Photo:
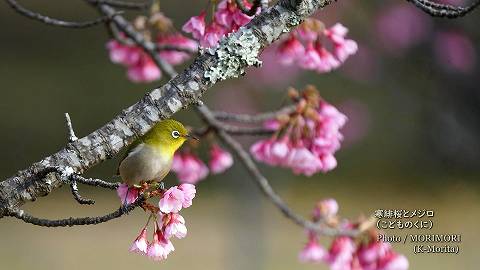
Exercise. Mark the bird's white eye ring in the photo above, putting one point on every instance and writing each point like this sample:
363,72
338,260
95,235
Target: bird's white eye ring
175,134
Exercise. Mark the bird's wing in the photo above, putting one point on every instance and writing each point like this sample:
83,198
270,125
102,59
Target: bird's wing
129,149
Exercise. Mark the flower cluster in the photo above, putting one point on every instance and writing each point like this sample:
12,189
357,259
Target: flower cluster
191,169
306,46
140,66
168,222
305,140
226,19
344,253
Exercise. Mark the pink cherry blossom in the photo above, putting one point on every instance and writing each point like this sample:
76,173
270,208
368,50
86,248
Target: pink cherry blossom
290,50
344,49
314,55
189,168
195,25
160,247
173,224
127,194
140,244
313,251
172,200
118,52
325,208
213,33
341,253
308,146
369,254
174,57
188,194
393,261
226,19
145,70
311,58
303,161
220,160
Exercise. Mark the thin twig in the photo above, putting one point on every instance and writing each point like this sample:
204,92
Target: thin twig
248,11
20,214
77,196
253,131
443,10
122,4
56,22
95,182
249,118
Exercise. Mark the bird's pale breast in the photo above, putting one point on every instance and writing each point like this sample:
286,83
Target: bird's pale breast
144,163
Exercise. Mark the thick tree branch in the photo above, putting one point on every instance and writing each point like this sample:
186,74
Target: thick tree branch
186,88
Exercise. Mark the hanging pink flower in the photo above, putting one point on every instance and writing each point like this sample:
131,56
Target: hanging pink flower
226,19
325,208
340,255
308,142
195,25
369,254
174,57
220,160
311,58
127,194
172,200
290,50
213,33
160,247
393,261
316,56
140,244
313,252
189,168
145,70
189,192
173,224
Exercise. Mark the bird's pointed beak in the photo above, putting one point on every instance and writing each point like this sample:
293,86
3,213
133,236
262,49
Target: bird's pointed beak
188,136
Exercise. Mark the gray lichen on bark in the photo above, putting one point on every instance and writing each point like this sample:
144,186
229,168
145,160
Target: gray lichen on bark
236,52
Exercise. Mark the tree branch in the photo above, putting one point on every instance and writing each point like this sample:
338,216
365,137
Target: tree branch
122,4
184,89
56,22
245,10
444,10
20,214
256,118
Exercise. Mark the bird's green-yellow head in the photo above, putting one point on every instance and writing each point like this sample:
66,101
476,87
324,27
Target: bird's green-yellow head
168,135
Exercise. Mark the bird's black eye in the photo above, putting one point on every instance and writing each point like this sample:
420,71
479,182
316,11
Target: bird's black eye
175,134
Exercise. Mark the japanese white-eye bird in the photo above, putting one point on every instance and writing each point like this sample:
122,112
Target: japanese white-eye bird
150,157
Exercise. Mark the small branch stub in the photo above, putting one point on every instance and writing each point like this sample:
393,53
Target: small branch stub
71,133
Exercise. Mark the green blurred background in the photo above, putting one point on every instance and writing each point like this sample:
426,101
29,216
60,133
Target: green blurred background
412,143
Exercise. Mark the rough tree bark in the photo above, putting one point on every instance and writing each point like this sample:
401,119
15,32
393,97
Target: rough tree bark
235,53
